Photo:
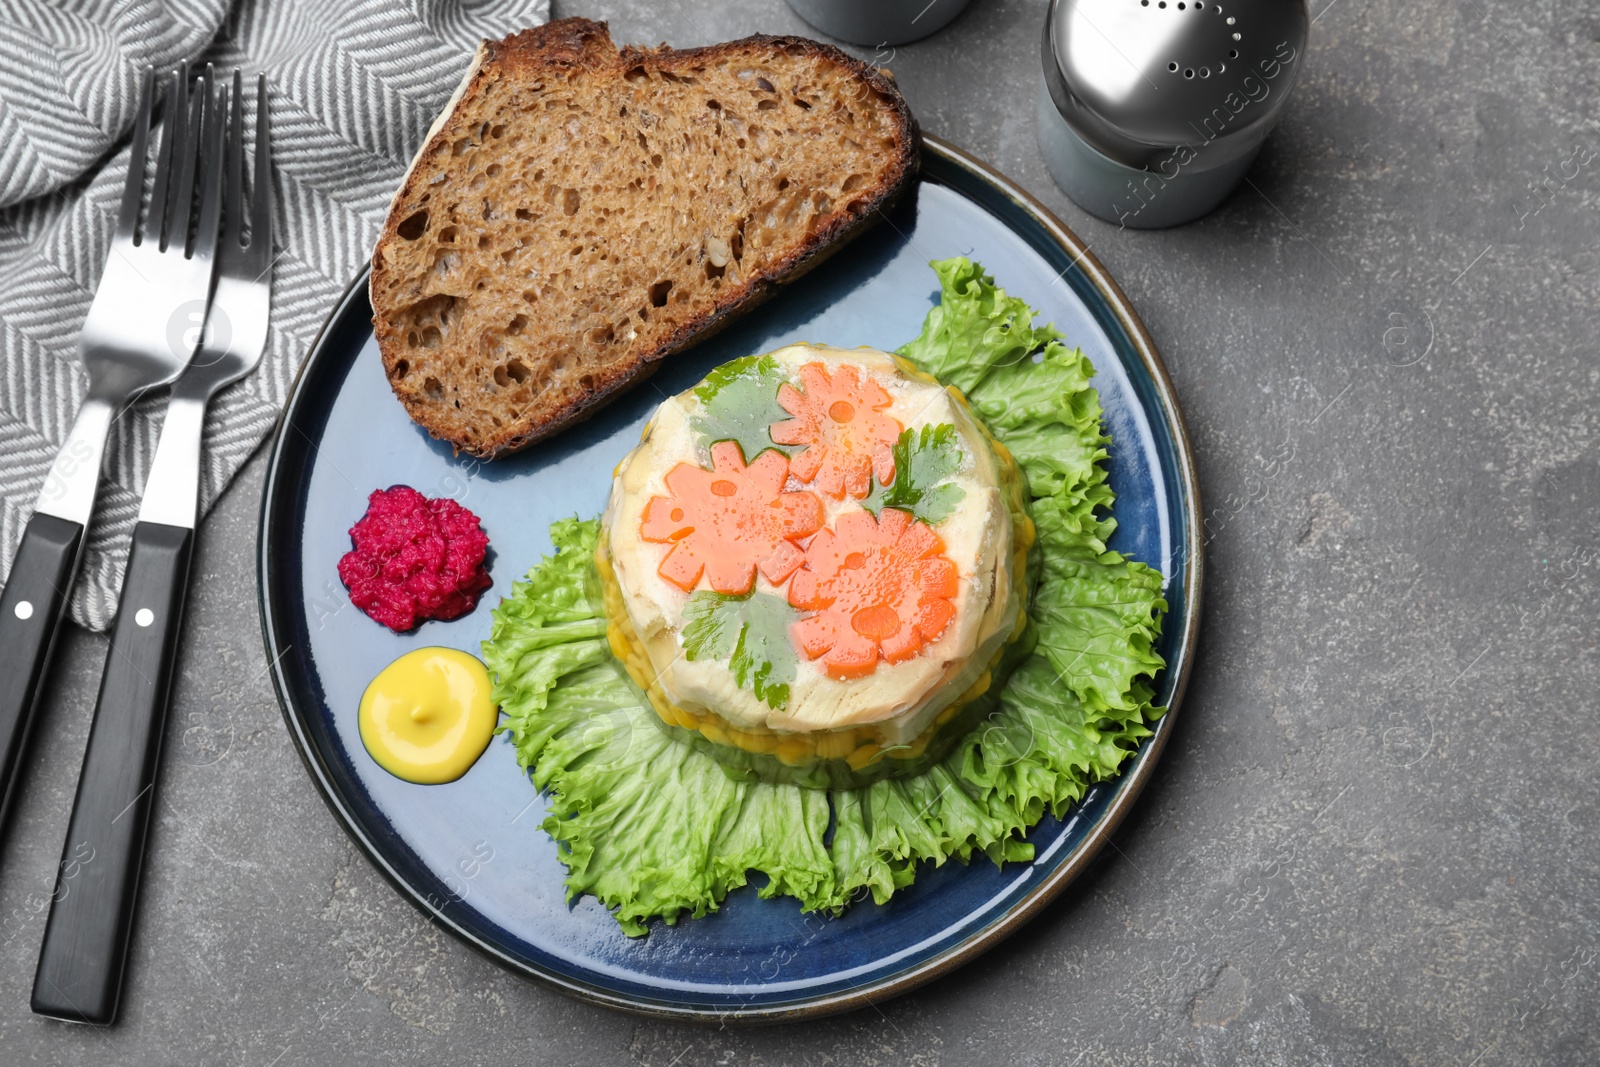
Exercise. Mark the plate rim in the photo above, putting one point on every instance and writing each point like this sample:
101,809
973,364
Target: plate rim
1131,782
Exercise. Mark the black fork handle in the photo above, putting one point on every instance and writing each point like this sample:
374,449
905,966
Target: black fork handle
91,915
30,615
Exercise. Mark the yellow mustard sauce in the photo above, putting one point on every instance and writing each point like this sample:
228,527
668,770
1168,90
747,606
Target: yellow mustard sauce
428,716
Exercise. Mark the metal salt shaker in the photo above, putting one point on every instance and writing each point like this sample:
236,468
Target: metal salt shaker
1152,110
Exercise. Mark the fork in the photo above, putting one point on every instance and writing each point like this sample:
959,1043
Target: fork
86,936
132,341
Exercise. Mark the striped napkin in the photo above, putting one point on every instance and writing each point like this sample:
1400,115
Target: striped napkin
353,87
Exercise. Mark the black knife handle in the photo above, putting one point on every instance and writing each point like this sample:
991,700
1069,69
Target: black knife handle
91,914
30,614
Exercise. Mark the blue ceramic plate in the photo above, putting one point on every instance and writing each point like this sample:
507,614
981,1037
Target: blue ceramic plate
471,853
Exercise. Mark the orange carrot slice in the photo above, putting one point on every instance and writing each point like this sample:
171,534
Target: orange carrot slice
880,589
729,521
839,417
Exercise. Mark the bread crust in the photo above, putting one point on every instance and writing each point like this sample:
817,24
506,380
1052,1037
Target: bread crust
578,43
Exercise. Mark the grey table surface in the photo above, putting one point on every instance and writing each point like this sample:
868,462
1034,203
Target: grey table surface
1373,839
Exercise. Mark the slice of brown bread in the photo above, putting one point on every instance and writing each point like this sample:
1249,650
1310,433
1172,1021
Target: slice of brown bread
578,213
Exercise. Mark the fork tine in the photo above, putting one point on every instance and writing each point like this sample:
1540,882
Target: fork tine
212,162
182,211
261,185
173,119
232,212
133,188
155,217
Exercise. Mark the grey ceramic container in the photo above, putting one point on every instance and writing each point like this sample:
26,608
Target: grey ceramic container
878,22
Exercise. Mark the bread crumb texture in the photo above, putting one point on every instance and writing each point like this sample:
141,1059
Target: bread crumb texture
583,211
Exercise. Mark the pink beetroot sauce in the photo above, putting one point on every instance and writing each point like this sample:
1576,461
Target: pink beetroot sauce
414,559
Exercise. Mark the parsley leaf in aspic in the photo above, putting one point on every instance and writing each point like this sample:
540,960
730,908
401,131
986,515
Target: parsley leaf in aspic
739,402
923,463
750,632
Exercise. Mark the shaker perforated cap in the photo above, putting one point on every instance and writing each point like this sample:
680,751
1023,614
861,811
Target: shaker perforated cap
1137,78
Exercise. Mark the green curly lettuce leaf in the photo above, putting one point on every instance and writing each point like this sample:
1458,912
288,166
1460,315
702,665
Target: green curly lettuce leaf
751,633
923,463
649,826
739,402
974,329
654,828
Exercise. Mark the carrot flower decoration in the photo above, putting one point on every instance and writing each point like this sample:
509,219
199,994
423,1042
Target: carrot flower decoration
839,417
727,522
880,588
